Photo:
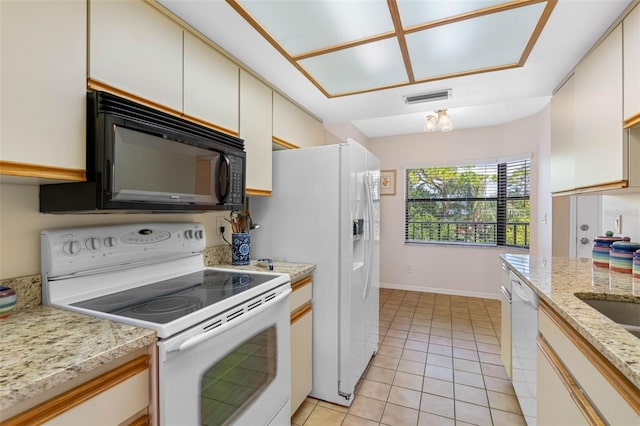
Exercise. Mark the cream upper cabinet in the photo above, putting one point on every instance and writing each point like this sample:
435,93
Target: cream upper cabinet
43,88
255,129
563,138
599,144
135,48
210,85
631,40
294,126
589,148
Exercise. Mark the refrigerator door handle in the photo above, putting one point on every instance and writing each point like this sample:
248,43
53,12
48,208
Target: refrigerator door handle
368,241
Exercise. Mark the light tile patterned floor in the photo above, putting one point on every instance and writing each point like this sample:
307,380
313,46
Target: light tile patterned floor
438,363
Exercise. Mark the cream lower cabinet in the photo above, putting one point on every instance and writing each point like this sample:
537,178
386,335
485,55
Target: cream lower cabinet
301,342
575,383
43,89
121,396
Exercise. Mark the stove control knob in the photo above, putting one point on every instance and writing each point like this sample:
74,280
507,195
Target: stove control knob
72,247
199,235
92,243
188,234
110,242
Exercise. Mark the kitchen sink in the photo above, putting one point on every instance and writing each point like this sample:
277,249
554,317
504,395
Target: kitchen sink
624,312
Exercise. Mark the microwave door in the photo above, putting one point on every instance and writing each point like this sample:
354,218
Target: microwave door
152,168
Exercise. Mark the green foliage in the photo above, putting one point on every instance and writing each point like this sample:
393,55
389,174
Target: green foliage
459,204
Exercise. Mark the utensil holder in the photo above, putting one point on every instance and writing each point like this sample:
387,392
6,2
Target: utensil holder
240,248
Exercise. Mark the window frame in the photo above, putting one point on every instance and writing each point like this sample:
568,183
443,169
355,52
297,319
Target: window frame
501,199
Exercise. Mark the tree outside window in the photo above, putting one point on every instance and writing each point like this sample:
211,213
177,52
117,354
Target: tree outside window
485,204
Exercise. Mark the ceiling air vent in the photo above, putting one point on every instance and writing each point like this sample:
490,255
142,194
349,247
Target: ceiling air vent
428,97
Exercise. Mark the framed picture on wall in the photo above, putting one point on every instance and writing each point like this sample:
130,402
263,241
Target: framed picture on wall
387,182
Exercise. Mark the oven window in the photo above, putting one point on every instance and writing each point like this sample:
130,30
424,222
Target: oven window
237,379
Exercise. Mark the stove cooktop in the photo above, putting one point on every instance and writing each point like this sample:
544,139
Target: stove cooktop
165,301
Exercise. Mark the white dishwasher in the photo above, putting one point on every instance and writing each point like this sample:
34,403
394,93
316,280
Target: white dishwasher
524,331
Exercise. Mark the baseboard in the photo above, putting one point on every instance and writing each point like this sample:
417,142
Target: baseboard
448,291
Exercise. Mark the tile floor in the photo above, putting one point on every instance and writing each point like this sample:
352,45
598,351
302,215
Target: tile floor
438,363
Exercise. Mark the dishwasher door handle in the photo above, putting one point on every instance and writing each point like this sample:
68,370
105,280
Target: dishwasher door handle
524,293
506,293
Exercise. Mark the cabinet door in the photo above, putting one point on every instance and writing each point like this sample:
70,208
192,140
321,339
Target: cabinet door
43,86
293,125
631,35
255,129
555,405
210,85
301,359
563,138
135,48
599,147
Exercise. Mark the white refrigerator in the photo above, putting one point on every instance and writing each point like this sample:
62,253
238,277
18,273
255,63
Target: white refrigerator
325,209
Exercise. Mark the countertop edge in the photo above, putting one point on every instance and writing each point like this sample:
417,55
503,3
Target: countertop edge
21,388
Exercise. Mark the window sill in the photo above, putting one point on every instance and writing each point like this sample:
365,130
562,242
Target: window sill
465,245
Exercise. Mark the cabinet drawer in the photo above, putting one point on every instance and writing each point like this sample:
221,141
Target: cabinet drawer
113,397
607,390
301,294
130,397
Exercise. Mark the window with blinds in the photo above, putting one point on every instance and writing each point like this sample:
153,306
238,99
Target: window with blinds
480,204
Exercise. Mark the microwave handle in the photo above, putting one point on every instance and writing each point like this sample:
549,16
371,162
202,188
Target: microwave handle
224,168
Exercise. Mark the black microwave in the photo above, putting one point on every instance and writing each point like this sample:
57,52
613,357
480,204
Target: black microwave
141,159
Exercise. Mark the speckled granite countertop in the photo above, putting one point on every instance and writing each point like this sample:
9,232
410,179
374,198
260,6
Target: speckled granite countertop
557,280
296,271
43,347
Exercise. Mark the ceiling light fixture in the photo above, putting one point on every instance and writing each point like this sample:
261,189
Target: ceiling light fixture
441,120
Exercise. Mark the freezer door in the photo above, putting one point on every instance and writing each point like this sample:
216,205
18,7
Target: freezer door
359,289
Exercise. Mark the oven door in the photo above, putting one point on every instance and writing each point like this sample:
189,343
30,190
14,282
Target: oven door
237,372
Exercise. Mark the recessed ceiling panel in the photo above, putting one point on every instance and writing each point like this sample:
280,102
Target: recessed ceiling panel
487,41
352,46
303,26
414,12
372,65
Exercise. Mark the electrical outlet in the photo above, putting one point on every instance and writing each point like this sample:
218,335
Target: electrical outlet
221,224
409,269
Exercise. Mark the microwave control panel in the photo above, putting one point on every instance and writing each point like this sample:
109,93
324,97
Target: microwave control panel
236,172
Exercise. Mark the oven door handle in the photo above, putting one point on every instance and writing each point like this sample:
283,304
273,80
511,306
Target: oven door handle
192,341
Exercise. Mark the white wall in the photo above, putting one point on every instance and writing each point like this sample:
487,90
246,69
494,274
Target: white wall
342,131
627,206
21,223
453,269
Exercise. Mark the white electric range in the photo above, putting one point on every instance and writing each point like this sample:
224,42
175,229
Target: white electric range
223,345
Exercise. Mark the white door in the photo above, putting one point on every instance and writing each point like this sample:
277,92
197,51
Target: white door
586,225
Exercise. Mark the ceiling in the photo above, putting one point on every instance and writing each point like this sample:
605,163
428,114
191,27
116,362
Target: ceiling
355,61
